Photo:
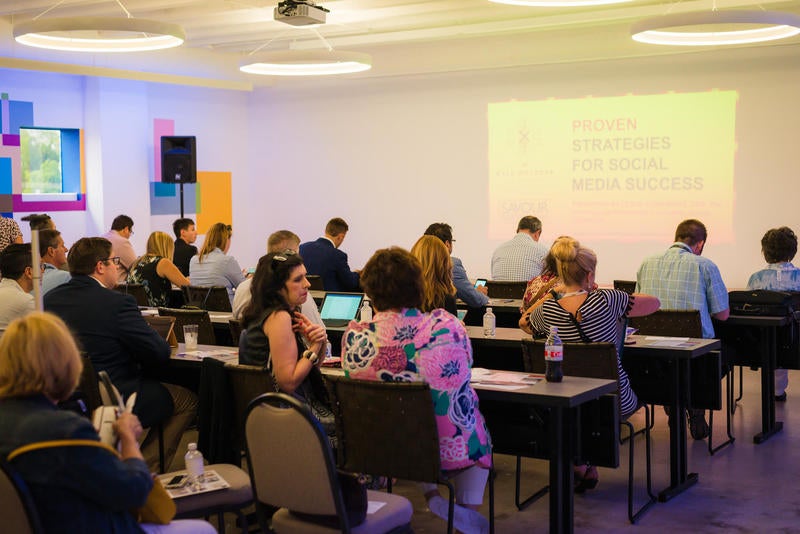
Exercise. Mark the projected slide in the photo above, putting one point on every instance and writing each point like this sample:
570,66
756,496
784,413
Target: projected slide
617,168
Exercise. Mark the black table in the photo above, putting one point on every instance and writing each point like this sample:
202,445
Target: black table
564,399
679,379
768,347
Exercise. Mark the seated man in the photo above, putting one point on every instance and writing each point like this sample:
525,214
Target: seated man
277,242
323,257
119,236
54,257
17,283
117,339
684,280
522,258
465,290
185,236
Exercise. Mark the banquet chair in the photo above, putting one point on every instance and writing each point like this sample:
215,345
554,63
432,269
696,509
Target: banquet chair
505,290
236,327
211,298
376,419
292,467
316,282
599,427
705,369
136,290
205,331
16,504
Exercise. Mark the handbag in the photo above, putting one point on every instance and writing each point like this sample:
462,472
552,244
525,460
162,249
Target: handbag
159,508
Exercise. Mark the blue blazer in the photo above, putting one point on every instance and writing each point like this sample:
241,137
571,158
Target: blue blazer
322,258
111,330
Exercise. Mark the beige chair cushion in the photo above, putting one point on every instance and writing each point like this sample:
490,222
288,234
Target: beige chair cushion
239,495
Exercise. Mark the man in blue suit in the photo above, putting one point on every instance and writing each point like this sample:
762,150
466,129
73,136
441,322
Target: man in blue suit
323,257
111,330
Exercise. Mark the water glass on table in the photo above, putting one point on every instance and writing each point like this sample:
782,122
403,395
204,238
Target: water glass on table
190,336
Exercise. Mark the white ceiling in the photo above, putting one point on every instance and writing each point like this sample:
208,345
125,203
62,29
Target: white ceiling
405,37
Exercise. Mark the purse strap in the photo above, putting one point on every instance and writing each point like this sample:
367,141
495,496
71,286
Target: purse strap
575,322
60,443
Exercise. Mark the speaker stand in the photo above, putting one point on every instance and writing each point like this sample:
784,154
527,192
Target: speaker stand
181,200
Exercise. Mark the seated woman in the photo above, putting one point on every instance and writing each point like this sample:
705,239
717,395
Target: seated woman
779,246
212,266
156,272
74,489
438,290
540,285
401,343
585,314
278,336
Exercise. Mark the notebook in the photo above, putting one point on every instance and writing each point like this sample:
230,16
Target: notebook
338,309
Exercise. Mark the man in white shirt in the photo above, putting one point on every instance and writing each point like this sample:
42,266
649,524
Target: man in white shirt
119,235
277,242
53,252
521,258
16,284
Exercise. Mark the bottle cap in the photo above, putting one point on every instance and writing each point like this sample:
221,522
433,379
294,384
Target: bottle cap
554,329
193,446
488,309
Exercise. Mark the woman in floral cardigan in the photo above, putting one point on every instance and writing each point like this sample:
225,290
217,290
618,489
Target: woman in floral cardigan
402,343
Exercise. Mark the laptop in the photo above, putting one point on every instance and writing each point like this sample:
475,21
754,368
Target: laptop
338,309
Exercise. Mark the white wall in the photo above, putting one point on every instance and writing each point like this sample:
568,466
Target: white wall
393,155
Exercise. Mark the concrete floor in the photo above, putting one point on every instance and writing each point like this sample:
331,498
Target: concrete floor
742,488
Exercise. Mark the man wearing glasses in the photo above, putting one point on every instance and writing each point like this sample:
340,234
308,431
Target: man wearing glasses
119,236
117,339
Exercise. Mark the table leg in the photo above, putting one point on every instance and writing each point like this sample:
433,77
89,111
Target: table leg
769,349
680,480
562,449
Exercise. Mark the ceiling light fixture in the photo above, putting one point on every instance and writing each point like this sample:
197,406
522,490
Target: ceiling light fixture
306,63
711,28
98,34
558,3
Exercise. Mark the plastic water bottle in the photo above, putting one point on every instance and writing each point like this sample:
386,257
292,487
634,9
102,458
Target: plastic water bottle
366,311
489,322
553,356
194,464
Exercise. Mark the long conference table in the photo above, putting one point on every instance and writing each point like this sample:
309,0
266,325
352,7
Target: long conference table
564,399
677,352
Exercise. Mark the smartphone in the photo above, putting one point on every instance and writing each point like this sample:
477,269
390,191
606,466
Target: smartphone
177,482
480,282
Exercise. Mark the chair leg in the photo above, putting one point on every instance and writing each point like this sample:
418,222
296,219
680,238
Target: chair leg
633,434
161,467
492,475
527,502
634,516
451,505
221,522
729,385
741,387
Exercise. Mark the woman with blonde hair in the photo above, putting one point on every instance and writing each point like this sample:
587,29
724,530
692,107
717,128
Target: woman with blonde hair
583,313
78,488
212,267
438,290
155,270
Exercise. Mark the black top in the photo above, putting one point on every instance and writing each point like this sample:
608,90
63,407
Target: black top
182,255
158,289
254,344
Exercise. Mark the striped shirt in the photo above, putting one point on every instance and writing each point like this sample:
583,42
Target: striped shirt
519,259
600,317
682,280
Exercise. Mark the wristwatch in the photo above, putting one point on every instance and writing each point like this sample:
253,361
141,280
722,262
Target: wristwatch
311,355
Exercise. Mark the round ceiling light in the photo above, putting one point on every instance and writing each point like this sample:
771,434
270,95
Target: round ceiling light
99,34
710,28
306,63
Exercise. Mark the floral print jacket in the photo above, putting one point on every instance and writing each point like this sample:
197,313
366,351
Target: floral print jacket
412,346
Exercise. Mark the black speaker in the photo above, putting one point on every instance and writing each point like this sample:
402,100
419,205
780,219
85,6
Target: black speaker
178,160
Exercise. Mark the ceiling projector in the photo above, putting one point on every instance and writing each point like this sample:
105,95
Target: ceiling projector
300,13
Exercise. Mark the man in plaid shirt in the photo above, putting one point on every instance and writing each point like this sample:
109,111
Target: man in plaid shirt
521,258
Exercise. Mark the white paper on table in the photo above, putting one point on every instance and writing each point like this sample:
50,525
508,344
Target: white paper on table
374,506
667,338
669,343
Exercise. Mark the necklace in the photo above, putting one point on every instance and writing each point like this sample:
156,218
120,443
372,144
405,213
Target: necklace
573,293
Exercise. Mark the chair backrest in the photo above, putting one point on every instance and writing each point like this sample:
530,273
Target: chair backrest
376,419
290,460
137,290
678,323
205,330
628,286
247,382
165,326
505,290
89,386
16,505
316,282
236,330
212,298
589,360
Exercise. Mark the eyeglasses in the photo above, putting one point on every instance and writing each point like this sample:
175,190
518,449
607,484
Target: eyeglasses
115,260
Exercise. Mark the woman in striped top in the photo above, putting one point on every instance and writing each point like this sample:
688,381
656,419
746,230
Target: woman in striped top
583,314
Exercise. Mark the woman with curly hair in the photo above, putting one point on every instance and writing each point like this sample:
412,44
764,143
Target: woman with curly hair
402,343
438,290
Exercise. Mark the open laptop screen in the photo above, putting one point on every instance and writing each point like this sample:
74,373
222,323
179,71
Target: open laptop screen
340,306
